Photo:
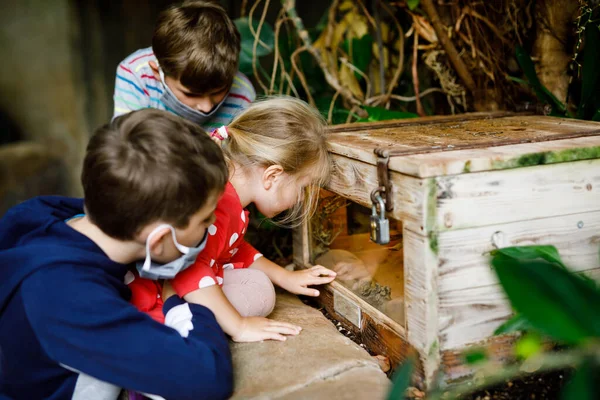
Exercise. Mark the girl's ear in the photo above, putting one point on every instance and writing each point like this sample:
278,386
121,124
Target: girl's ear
154,68
271,175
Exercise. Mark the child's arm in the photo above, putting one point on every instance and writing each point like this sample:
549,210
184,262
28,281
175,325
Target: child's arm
296,282
241,329
90,328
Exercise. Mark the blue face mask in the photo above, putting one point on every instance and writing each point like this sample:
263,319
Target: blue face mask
173,103
151,270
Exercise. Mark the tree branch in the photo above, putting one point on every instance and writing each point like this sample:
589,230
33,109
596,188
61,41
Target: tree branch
440,30
290,8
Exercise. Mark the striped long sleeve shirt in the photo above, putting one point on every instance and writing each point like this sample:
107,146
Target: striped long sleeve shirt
137,88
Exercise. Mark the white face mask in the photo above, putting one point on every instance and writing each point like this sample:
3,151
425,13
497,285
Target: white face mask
151,270
183,110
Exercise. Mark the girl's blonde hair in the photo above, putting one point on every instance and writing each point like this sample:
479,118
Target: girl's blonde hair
285,131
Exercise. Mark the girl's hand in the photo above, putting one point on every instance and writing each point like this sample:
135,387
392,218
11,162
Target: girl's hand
257,329
297,282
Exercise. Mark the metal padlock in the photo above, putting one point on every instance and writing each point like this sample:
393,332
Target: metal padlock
380,225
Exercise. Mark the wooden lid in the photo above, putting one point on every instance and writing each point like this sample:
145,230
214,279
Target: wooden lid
448,145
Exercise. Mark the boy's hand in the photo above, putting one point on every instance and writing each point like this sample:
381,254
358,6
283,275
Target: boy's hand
257,329
167,291
297,282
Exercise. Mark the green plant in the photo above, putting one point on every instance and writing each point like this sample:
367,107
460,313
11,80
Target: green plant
348,65
552,304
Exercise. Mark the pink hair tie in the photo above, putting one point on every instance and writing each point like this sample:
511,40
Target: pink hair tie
220,133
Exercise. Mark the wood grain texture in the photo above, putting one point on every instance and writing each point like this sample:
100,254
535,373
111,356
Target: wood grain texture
301,244
355,180
421,298
422,121
454,146
472,315
488,198
464,254
497,348
380,334
496,158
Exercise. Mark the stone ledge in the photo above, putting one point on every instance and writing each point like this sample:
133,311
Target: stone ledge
320,363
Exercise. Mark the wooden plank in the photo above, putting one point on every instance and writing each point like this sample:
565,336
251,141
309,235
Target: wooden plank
497,348
301,244
380,334
464,254
442,138
355,180
471,315
421,298
495,158
488,198
433,119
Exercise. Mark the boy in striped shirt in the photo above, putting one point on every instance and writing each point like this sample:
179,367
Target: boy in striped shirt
191,69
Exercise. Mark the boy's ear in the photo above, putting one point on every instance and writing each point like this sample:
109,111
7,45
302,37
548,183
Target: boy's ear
154,68
157,241
271,175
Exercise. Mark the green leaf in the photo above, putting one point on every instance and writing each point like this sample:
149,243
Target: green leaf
515,324
528,345
381,114
412,4
548,253
359,53
543,94
264,47
475,356
554,300
401,380
582,385
518,80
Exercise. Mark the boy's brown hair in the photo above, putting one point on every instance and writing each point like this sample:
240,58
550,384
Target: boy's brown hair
147,166
198,44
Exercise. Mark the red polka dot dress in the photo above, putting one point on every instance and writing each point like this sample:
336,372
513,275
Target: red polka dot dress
225,249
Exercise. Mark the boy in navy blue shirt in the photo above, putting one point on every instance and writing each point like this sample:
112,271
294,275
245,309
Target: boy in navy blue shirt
67,330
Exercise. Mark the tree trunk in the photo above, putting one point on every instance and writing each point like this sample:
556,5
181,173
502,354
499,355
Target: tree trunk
551,48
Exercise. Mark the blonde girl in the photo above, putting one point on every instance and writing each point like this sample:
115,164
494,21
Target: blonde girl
275,149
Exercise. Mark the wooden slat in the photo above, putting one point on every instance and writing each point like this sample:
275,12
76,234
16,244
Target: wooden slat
492,143
422,121
421,298
487,198
433,137
380,334
495,158
464,254
471,315
301,244
498,349
355,180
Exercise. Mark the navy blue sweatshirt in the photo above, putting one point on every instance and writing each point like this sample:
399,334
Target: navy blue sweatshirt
65,316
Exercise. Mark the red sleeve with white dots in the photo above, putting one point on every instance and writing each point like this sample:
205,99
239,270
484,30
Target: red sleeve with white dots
205,271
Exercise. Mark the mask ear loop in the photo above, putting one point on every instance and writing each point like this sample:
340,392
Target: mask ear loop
182,249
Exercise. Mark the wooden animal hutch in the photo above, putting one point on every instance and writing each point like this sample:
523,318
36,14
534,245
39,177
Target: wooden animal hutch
454,189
